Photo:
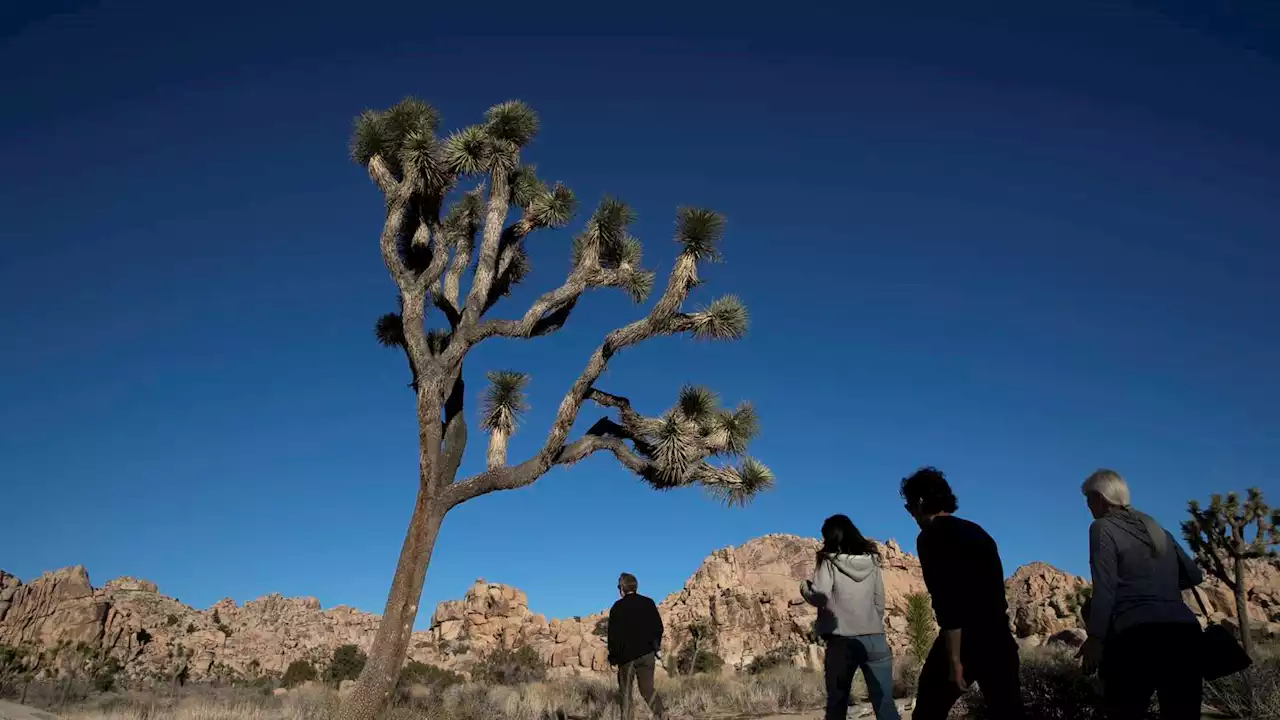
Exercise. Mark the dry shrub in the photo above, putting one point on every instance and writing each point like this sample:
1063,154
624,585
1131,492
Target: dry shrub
906,677
772,691
1053,688
1231,694
224,705
781,690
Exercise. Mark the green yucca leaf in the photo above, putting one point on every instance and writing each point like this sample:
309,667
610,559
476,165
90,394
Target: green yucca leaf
512,122
737,486
389,330
504,400
741,427
724,319
468,151
408,117
421,155
638,284
554,208
697,403
700,231
526,187
369,138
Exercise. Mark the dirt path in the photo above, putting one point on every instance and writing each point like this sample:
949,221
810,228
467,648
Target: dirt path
14,711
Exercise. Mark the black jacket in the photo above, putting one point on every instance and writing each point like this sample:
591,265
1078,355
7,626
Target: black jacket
635,629
964,575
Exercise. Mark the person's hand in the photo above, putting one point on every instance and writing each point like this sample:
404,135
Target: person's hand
957,676
1090,656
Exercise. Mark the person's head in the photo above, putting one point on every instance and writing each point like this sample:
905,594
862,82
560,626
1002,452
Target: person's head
928,495
627,584
1103,491
841,537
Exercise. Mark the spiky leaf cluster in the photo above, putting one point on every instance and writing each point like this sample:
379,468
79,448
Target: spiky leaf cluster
724,319
504,400
679,442
700,231
389,330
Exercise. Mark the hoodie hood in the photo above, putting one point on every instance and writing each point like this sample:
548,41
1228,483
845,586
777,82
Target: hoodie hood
1141,527
856,567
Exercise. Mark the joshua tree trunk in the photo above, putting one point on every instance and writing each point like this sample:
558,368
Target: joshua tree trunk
1242,608
378,679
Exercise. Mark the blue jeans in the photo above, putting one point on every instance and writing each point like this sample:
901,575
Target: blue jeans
844,656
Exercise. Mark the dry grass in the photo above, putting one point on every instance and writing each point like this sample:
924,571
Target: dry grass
777,691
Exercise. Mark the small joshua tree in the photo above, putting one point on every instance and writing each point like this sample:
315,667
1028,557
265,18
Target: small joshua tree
920,627
1219,537
446,203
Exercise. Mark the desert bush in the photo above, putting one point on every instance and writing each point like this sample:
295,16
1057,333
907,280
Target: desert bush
704,663
13,668
773,691
781,656
346,664
298,672
601,628
103,673
1231,694
1053,688
906,677
428,676
920,626
502,666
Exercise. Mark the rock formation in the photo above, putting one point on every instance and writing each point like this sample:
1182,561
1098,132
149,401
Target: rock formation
748,594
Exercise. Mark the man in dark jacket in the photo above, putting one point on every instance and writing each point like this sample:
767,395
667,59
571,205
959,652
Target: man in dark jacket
965,578
635,637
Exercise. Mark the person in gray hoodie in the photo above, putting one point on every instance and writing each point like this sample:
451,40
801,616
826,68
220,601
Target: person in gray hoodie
848,591
1143,639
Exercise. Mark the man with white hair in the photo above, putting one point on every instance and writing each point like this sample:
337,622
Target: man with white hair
1143,639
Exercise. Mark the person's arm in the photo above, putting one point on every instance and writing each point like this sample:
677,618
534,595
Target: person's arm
1189,573
879,593
818,590
942,576
615,635
656,622
1103,569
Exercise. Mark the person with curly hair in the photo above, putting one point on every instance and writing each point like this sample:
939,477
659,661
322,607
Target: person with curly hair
965,578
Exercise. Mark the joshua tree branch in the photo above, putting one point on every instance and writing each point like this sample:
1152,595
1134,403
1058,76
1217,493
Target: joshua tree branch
486,266
382,177
659,321
630,418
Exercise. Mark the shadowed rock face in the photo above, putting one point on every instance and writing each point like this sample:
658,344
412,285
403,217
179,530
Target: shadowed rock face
747,593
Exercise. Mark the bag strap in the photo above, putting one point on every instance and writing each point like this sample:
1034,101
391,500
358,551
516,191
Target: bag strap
1203,611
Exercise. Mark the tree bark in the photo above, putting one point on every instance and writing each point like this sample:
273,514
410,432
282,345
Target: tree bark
1242,608
373,690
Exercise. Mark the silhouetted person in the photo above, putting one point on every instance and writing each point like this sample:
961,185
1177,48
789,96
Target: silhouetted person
1143,639
848,591
965,578
635,637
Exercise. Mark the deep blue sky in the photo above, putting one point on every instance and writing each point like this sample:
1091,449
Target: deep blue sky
1019,246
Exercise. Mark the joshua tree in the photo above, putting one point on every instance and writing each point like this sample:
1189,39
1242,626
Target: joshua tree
437,229
921,631
1218,537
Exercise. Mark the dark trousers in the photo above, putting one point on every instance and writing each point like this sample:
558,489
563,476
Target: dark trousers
845,654
638,672
1154,659
989,658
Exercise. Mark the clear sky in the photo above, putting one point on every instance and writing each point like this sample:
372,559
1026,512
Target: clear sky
1018,246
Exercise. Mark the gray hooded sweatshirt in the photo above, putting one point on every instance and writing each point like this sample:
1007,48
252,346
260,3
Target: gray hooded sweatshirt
849,594
1139,573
